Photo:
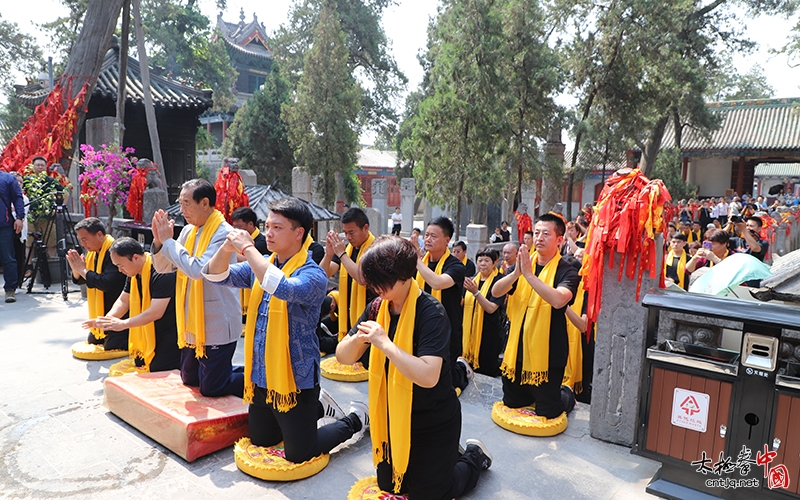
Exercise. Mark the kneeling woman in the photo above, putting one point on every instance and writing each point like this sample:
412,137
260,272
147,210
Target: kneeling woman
483,312
415,416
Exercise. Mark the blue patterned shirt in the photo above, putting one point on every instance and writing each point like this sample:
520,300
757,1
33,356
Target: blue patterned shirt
304,292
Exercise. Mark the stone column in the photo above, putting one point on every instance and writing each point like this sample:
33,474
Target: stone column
619,354
379,203
477,238
375,218
316,198
408,192
301,183
780,239
791,240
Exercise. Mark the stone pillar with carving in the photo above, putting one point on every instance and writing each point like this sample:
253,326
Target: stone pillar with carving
619,354
477,238
379,188
301,183
408,193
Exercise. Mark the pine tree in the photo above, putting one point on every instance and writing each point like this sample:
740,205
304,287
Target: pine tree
323,117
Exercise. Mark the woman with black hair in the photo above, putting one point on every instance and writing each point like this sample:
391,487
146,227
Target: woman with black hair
414,414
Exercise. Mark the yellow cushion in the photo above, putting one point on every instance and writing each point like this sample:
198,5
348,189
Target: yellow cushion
525,421
270,464
124,367
367,489
95,352
334,370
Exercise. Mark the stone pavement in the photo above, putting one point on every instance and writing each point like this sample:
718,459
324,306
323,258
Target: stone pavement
58,441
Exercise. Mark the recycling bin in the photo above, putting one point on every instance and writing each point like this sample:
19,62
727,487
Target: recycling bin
720,421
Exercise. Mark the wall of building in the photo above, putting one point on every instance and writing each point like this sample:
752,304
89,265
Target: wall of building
711,175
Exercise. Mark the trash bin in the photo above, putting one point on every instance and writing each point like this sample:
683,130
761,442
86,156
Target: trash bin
720,421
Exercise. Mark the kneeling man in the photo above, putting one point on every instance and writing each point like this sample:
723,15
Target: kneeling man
149,296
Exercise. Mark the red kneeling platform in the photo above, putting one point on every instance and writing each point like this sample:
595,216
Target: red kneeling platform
175,415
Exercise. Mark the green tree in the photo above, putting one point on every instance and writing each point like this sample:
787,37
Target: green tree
729,85
323,126
460,120
668,169
642,65
258,135
13,114
179,41
368,55
18,51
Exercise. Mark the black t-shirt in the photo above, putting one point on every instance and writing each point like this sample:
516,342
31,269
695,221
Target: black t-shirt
260,242
167,354
505,235
370,294
740,245
451,300
672,272
493,322
566,277
162,286
471,269
317,252
434,406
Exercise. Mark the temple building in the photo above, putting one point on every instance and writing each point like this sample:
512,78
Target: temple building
251,56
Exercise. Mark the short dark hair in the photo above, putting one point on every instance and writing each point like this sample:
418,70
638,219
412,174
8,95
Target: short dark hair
126,247
416,229
756,219
560,226
201,188
245,214
488,252
92,225
528,232
296,211
357,215
37,157
679,236
504,222
461,244
718,235
388,260
445,224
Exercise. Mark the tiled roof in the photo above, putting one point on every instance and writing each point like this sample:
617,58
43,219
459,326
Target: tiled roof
377,158
760,124
777,170
260,196
250,38
166,93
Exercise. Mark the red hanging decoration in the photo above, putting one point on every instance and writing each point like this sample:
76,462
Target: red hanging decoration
627,217
138,185
48,132
229,187
524,224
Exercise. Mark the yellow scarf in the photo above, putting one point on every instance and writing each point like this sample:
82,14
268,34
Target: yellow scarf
693,236
681,266
354,300
95,297
536,326
464,260
437,294
142,339
194,322
281,389
472,325
391,394
244,293
573,373
711,262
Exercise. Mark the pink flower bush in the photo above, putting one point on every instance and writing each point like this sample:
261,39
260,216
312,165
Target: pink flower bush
108,170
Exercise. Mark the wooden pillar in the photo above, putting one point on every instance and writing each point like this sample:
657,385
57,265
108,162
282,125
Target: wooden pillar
684,168
224,129
740,177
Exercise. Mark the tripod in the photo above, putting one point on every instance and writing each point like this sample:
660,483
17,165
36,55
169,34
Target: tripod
60,221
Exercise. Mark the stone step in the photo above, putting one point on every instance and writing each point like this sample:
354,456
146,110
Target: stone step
175,415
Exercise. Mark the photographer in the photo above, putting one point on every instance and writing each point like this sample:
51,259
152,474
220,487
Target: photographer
749,237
